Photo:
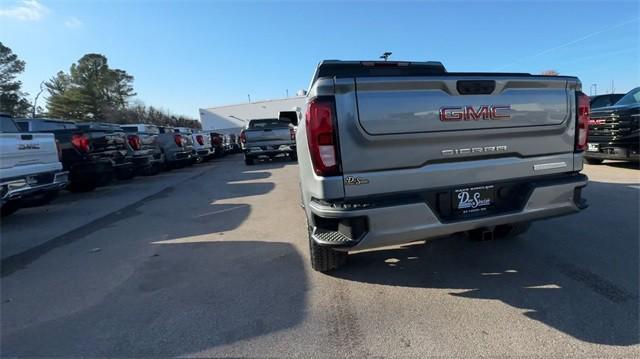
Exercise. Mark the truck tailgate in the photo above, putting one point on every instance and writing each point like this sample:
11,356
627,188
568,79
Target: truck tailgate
416,131
267,136
26,149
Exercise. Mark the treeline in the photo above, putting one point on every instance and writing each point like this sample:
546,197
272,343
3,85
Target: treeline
142,114
90,91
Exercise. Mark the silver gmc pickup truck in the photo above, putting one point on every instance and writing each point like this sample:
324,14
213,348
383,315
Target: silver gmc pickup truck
396,152
268,137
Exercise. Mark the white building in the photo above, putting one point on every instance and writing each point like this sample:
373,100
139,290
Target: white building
231,118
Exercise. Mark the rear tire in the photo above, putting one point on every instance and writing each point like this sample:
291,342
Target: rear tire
248,160
325,259
125,174
293,156
9,208
593,161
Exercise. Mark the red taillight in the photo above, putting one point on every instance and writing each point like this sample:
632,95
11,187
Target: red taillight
216,140
584,116
81,142
59,149
134,142
243,137
322,138
292,132
200,140
178,139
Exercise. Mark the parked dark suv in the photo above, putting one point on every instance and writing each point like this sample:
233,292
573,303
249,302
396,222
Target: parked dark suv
92,154
614,132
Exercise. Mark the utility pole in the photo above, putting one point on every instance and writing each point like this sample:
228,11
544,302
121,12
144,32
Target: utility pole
249,97
386,55
612,87
287,90
35,101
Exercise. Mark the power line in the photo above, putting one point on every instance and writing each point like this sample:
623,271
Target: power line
571,42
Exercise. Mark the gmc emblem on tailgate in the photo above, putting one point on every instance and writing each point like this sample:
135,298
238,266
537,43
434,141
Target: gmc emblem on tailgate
467,113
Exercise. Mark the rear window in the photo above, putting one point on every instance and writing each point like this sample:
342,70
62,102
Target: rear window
153,130
630,98
8,126
600,102
38,126
129,129
604,101
267,123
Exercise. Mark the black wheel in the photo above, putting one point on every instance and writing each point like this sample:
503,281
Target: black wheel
325,259
41,199
509,231
125,174
593,161
9,208
248,160
82,186
293,156
152,170
105,179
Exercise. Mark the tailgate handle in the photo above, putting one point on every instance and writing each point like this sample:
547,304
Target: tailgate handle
476,87
26,137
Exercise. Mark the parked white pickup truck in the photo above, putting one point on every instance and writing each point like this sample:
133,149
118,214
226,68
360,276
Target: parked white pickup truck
30,168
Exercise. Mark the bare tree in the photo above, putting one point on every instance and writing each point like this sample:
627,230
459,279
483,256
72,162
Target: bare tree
550,73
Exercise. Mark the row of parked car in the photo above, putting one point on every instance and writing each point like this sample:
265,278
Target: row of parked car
39,157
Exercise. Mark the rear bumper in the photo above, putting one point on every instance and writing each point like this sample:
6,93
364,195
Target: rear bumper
269,150
99,167
204,152
25,186
615,153
179,156
145,159
409,222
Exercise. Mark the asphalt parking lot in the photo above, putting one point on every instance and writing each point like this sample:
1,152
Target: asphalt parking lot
212,261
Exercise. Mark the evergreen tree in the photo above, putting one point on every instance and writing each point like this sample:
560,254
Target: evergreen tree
12,100
90,91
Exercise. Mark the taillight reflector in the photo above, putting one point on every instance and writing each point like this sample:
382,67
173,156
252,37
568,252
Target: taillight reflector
200,140
178,139
81,142
584,117
134,142
321,137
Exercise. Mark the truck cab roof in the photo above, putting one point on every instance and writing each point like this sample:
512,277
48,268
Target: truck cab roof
369,68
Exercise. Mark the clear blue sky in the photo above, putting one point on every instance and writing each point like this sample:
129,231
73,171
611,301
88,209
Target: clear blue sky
185,55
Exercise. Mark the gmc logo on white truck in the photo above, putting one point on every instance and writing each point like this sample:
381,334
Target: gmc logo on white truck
467,113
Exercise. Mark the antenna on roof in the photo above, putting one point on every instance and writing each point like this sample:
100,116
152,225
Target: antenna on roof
386,55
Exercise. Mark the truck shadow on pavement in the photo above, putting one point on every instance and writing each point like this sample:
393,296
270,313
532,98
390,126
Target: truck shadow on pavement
182,300
180,211
576,274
